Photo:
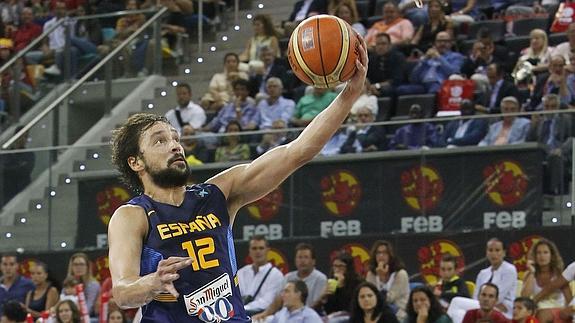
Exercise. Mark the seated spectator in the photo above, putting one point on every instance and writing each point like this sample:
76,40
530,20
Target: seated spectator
305,271
259,281
337,142
117,316
497,89
475,65
264,34
423,307
450,285
555,81
365,137
436,66
194,149
272,140
415,135
465,132
365,100
385,69
232,148
524,311
294,296
349,14
8,78
27,31
241,109
275,106
80,268
543,266
13,313
426,33
369,306
488,295
342,282
187,113
387,273
270,68
510,130
463,11
44,295
399,29
69,289
310,105
220,89
301,10
67,312
13,287
551,130
566,49
501,273
538,54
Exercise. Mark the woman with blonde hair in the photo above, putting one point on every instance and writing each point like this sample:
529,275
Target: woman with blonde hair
538,54
80,268
265,35
544,265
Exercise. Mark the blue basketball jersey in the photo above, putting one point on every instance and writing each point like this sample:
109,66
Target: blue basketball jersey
200,229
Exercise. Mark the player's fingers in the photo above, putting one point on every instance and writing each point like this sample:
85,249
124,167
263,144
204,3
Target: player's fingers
172,290
175,266
168,278
172,260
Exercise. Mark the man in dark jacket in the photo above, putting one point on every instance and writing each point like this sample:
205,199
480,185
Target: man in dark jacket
370,138
499,88
467,132
385,70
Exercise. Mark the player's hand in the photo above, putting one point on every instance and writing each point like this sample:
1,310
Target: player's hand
167,273
357,82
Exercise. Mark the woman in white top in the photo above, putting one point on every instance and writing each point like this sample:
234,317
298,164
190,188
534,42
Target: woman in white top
387,272
544,265
538,53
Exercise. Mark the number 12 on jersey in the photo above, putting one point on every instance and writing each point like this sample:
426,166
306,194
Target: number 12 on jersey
198,250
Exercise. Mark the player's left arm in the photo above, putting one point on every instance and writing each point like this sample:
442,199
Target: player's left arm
246,183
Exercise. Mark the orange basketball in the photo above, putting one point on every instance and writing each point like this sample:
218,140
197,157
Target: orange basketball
322,51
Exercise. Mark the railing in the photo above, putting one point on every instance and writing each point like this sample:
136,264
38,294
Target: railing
464,188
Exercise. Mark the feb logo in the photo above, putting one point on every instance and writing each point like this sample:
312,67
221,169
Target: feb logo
456,91
518,252
505,183
359,254
340,192
430,256
109,199
26,266
101,268
276,257
421,187
268,206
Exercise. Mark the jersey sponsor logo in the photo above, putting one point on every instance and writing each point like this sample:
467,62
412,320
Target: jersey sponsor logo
199,224
209,302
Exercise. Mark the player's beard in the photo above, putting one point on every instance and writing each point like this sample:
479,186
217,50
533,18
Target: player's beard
170,176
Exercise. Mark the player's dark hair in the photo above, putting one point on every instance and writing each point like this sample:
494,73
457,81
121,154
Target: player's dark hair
305,246
126,144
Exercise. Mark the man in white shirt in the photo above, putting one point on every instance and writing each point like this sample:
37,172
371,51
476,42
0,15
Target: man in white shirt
187,112
294,297
260,282
314,279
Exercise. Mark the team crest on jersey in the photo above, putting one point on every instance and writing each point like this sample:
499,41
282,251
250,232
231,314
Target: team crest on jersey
201,192
209,303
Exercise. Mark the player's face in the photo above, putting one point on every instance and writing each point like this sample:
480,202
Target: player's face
304,261
543,255
446,270
487,298
65,313
520,311
38,275
258,252
366,299
163,156
9,267
495,252
184,96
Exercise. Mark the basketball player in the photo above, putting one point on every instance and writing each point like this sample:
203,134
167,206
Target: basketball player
171,248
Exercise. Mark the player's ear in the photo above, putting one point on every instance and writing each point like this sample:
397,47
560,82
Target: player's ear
135,163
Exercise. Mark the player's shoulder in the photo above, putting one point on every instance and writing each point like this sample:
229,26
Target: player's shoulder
128,212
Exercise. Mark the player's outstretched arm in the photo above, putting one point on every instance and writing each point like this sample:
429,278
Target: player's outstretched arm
246,183
126,231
